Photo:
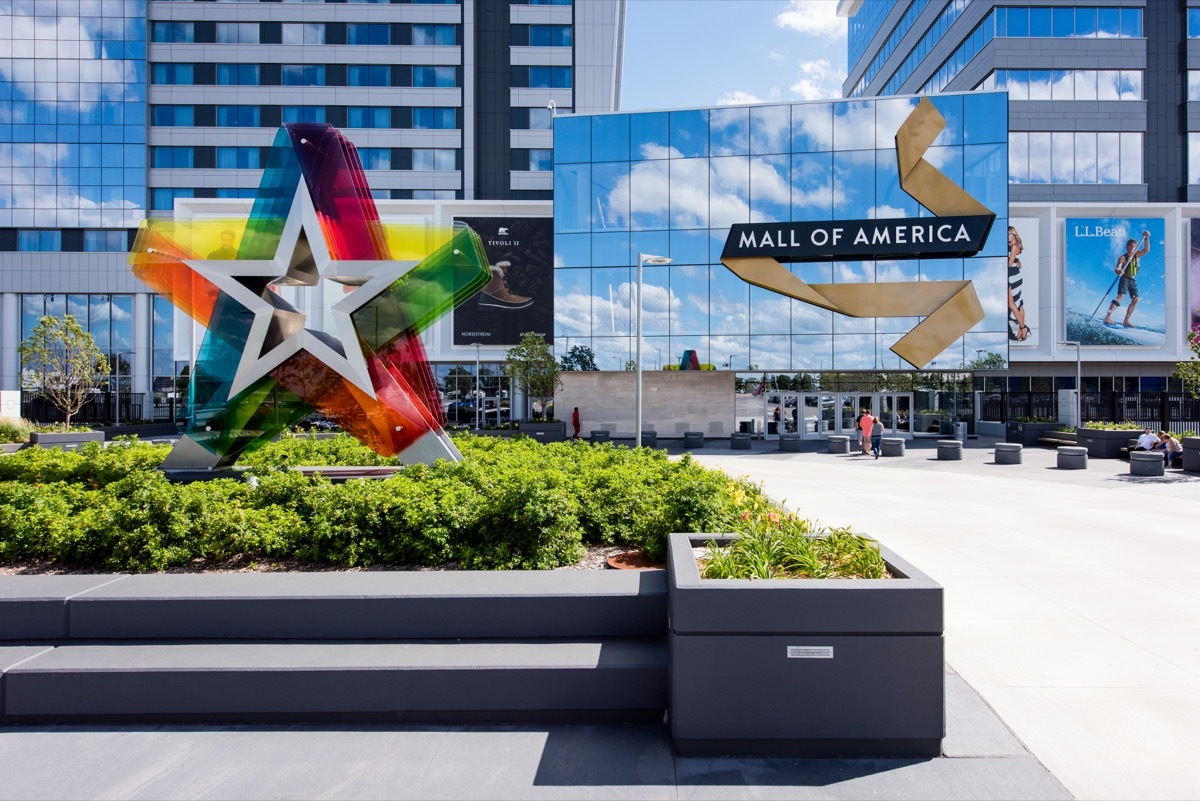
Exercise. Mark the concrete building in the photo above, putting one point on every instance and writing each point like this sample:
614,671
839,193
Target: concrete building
1102,127
114,110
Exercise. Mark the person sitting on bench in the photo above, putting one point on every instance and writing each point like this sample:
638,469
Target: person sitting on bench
1170,447
1147,441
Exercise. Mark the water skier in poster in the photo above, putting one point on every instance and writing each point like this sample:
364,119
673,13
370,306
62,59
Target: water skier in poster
1128,264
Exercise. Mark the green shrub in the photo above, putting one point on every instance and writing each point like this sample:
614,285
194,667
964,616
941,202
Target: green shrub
786,546
14,429
341,450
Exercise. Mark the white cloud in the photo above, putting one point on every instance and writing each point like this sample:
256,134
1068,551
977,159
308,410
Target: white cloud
738,98
815,17
817,80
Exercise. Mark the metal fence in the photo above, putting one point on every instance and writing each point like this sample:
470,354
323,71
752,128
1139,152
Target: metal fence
101,409
1173,411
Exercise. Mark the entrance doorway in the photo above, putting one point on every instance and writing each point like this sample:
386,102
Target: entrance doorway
816,415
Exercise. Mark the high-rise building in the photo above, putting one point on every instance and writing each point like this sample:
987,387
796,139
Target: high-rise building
1101,114
111,110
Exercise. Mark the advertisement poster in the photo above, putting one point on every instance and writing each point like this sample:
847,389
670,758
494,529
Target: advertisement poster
520,295
1194,279
1023,283
1115,281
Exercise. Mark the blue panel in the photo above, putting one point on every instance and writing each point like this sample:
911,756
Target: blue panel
610,137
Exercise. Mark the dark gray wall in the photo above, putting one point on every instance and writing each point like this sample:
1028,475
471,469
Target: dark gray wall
492,117
1165,26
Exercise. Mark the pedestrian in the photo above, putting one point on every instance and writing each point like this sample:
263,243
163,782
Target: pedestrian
864,431
575,422
1170,447
1147,441
876,436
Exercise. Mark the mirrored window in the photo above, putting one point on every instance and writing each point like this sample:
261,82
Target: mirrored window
689,134
770,130
729,131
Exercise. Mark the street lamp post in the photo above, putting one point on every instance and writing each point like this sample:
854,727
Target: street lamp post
477,398
1078,380
643,259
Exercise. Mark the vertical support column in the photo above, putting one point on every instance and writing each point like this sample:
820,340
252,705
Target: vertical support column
10,339
142,355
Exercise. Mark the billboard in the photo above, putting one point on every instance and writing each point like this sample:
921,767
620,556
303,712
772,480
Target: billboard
1115,281
1193,287
1023,283
519,296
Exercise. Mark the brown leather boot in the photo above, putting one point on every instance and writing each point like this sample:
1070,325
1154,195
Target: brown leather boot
496,294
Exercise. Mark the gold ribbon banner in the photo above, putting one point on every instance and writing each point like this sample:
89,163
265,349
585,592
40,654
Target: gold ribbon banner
950,308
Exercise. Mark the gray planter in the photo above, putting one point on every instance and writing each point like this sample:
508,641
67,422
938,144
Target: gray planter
1191,454
71,439
12,447
1102,443
544,432
1028,434
804,667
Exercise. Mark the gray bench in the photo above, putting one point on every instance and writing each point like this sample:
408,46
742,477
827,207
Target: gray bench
739,441
1008,453
837,444
789,443
649,439
603,435
1072,457
949,450
693,439
891,446
1146,463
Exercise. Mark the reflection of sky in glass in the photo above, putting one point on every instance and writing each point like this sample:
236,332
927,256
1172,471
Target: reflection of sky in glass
72,106
691,174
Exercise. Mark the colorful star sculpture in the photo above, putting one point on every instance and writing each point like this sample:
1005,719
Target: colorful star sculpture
263,364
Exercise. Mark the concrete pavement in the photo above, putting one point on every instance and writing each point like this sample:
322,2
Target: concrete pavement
1072,597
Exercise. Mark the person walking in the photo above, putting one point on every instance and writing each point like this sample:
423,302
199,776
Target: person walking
876,436
575,422
865,421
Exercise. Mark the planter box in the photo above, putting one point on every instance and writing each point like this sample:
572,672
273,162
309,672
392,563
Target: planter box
72,439
1191,454
12,447
1102,443
928,423
804,667
493,432
1028,434
544,432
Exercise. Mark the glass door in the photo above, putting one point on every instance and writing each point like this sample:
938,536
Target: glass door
817,414
895,412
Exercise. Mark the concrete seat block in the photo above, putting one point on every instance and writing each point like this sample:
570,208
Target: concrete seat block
891,446
1008,453
739,442
837,444
601,436
693,439
1072,457
460,681
35,607
949,450
1146,463
789,443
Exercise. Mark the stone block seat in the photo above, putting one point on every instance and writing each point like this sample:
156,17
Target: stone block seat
1072,457
891,446
601,435
739,441
693,439
837,444
949,450
1008,453
789,443
1146,463
649,439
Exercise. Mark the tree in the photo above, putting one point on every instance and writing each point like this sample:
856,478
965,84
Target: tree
61,362
579,358
531,366
630,365
989,361
1189,372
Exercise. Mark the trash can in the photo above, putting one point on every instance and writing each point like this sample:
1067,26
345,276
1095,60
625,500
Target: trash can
746,427
960,432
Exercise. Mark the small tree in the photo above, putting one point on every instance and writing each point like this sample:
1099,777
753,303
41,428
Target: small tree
1189,372
531,366
990,361
61,361
579,358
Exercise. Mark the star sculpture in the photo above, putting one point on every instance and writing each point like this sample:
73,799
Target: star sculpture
262,367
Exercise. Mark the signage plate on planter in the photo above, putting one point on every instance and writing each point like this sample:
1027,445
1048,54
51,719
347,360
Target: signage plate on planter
810,652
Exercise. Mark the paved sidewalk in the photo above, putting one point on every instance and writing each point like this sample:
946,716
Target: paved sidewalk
1072,597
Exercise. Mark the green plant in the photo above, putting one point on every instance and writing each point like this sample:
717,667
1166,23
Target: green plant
60,361
1126,425
774,545
14,429
1035,420
531,366
1189,371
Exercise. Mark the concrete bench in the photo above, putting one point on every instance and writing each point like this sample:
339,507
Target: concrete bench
789,443
649,439
693,439
949,450
1146,463
739,441
891,446
1008,453
837,444
1072,457
1055,441
603,435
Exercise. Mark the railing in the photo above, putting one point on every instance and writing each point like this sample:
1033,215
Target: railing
100,409
1173,411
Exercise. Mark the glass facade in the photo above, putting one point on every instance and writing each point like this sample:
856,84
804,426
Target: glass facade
73,114
672,183
108,318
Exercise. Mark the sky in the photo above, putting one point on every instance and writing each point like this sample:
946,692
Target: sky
701,53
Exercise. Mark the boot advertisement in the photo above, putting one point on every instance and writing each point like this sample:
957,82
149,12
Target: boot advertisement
520,295
1115,284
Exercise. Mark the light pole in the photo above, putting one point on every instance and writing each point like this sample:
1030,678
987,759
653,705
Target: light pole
643,259
477,398
1078,380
